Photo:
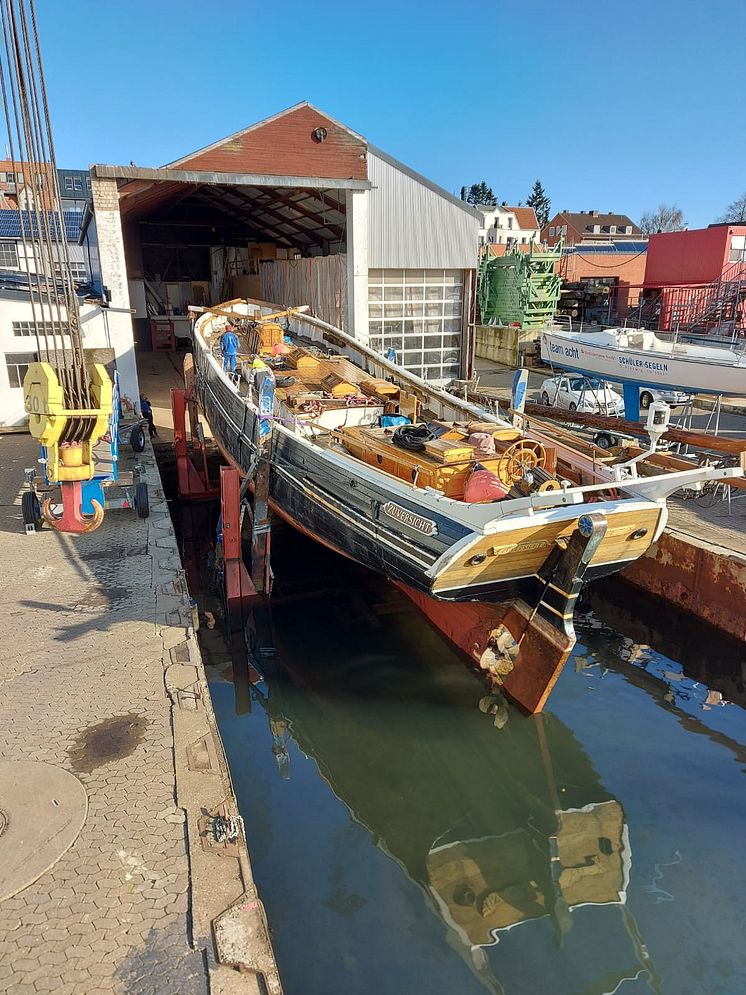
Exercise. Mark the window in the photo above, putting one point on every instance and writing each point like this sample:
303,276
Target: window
737,252
10,177
563,230
8,255
68,183
420,314
28,328
78,183
551,231
39,181
88,183
17,364
78,271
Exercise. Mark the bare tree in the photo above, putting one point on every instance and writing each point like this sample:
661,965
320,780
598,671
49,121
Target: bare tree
735,213
667,217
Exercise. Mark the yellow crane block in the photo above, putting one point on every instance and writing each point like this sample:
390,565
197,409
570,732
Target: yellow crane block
45,403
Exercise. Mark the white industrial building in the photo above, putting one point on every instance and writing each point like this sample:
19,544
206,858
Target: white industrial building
295,209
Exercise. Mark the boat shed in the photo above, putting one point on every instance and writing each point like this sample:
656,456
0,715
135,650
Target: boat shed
297,209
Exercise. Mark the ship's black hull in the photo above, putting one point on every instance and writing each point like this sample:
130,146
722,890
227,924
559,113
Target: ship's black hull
340,508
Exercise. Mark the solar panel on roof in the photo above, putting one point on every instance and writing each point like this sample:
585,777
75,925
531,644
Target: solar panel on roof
10,224
626,247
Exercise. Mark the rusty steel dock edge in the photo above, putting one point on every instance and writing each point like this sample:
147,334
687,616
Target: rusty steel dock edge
227,916
702,578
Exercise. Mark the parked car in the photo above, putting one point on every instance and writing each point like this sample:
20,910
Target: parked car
586,394
672,397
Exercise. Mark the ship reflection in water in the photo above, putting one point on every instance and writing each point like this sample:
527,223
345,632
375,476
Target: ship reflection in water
471,807
410,831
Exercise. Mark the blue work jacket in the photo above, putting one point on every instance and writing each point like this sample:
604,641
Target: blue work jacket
229,344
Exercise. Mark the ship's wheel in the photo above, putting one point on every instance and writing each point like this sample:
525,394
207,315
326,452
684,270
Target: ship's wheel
519,459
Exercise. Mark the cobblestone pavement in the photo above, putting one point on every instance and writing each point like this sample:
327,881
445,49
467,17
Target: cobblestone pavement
714,525
83,651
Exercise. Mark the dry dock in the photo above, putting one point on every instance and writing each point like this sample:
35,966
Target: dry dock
699,563
102,681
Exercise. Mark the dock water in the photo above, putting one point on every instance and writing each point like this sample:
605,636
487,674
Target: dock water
409,830
412,832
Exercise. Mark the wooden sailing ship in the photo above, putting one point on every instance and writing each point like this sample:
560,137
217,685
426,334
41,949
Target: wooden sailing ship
499,577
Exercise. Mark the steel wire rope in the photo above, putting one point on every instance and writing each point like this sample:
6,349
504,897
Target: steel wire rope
47,154
35,141
41,252
11,149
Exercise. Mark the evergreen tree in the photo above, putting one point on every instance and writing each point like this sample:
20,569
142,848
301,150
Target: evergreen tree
540,203
479,194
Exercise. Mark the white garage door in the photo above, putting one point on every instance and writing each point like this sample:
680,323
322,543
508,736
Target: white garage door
420,314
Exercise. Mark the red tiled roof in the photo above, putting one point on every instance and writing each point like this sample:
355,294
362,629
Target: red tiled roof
525,216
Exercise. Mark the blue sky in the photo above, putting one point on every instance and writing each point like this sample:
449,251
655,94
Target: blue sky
614,106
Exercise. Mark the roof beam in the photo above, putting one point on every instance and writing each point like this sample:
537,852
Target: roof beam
335,204
235,216
105,171
292,223
189,188
295,206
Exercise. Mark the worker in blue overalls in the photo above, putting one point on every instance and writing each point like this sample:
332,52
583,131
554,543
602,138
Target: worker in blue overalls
229,349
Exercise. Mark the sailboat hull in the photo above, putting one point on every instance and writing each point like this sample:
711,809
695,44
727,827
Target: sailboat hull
668,366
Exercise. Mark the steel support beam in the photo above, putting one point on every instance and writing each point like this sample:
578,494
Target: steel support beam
104,170
193,483
240,592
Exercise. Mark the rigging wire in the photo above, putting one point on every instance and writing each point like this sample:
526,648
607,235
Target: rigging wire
54,303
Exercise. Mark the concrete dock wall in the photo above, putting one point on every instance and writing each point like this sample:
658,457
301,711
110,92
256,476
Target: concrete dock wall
103,681
706,580
503,344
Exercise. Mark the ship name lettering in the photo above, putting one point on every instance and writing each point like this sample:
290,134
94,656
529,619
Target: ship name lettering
523,546
417,522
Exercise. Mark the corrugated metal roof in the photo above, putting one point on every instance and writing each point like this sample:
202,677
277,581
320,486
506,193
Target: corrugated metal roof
17,283
414,175
414,224
10,224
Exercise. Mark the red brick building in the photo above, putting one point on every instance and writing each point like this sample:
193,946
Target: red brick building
589,227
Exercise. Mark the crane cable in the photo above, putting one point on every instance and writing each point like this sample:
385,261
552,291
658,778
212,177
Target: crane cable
54,302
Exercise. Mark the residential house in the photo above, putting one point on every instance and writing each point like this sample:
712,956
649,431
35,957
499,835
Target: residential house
16,186
506,226
590,227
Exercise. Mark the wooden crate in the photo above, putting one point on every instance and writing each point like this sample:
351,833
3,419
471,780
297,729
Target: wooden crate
447,451
374,447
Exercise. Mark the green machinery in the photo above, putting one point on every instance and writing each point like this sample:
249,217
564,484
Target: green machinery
520,288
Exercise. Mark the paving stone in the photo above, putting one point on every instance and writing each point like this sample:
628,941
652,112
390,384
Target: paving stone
84,650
